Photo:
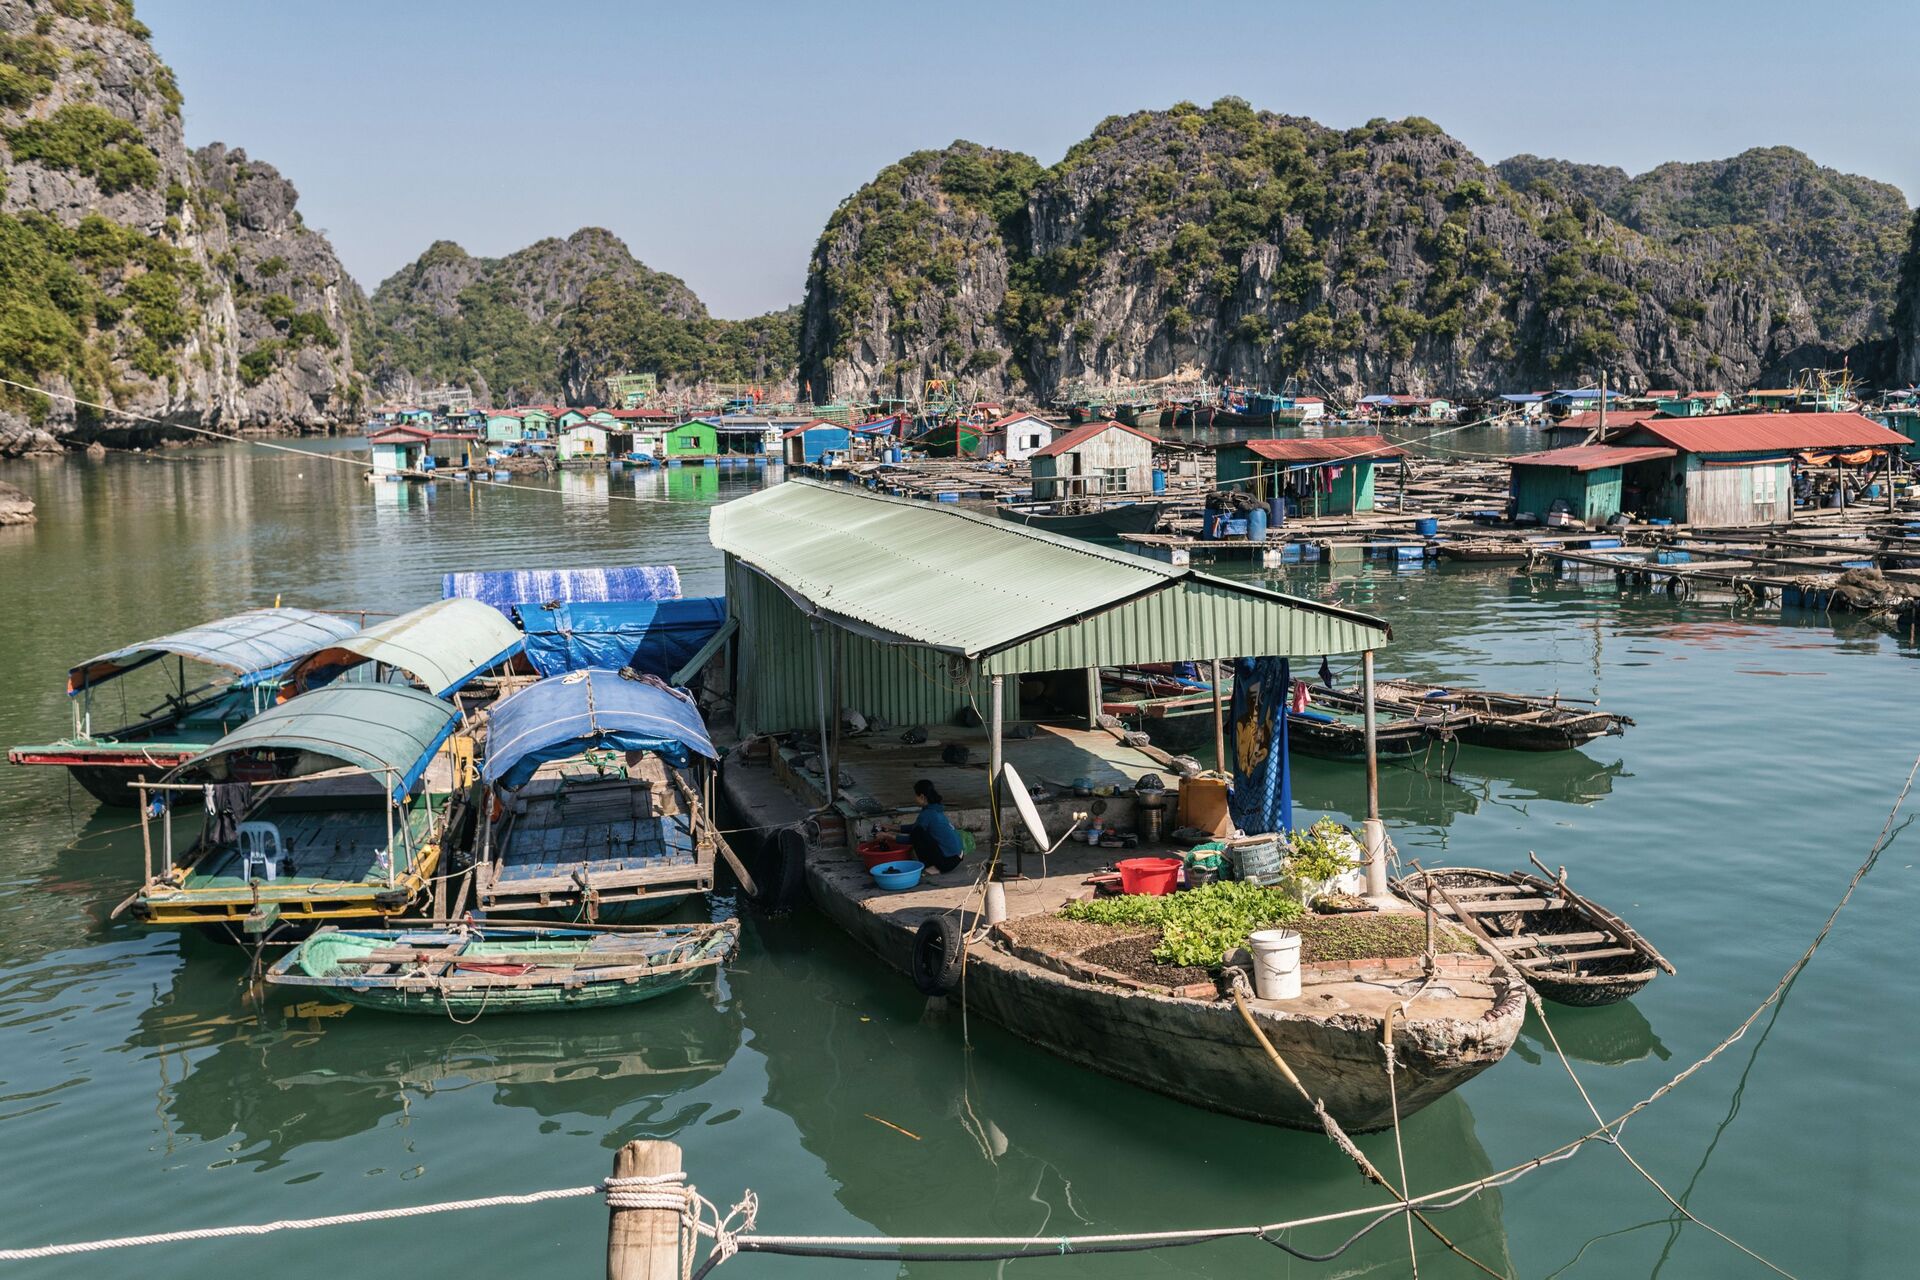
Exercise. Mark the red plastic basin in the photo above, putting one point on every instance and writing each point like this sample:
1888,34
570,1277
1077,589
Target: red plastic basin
875,852
1154,876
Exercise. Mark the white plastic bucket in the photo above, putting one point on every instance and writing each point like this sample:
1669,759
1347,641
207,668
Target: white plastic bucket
1276,963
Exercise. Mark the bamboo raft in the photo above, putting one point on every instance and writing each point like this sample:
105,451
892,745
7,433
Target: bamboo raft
1568,947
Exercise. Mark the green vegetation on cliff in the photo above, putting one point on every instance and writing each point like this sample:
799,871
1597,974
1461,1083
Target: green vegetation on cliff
89,140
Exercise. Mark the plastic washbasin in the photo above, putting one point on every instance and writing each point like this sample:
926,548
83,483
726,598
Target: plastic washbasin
897,875
1154,876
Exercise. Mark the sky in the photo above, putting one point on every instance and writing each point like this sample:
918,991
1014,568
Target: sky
715,138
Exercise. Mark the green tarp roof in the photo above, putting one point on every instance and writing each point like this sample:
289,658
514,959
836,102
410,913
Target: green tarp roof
441,645
381,728
906,572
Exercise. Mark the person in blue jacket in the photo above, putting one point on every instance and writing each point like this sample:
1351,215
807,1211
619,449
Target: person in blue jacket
932,836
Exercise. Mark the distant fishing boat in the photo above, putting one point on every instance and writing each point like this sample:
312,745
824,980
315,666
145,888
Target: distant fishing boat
1075,520
1504,721
1328,728
251,650
333,806
466,970
601,800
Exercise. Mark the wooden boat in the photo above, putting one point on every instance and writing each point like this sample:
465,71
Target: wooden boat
1568,948
1504,721
466,970
1334,732
600,810
333,806
1108,521
252,651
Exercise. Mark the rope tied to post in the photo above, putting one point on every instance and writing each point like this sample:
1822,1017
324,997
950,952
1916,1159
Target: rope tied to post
699,1216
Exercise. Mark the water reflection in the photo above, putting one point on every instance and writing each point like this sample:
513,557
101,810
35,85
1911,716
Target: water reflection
1612,1036
922,1136
264,1072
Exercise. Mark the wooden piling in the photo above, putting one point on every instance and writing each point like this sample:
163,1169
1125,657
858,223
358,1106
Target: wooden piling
644,1244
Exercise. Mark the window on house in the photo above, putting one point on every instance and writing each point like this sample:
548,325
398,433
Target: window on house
1766,486
1114,479
1033,442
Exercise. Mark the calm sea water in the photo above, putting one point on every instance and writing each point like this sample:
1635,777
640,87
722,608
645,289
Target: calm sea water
144,1088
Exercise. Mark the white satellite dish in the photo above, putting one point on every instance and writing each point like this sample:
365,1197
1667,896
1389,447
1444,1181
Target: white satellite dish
1016,790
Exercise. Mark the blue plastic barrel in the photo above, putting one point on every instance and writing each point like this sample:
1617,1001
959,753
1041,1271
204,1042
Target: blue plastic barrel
893,454
1276,511
1257,525
1159,481
1426,526
1209,523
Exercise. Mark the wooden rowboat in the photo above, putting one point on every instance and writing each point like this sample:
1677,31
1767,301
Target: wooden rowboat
1568,948
1109,521
465,970
1504,721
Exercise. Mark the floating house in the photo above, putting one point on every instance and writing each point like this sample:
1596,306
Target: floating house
414,453
1584,482
536,421
1616,420
568,418
588,444
1386,406
1581,399
814,442
1325,477
1018,436
1736,469
505,426
1100,457
695,439
1694,404
1529,404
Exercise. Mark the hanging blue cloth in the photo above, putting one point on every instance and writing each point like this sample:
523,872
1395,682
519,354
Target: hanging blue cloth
1262,795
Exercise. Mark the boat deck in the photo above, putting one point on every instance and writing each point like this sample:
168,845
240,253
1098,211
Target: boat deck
324,840
575,831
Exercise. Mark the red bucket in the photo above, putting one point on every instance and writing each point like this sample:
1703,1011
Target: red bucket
876,852
1155,876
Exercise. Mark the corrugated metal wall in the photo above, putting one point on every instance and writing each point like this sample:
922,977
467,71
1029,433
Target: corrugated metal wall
1719,496
777,680
1195,620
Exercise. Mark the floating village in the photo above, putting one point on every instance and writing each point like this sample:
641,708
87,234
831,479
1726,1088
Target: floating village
971,694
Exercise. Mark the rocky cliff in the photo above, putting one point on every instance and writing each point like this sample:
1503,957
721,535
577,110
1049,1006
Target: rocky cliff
160,284
1225,242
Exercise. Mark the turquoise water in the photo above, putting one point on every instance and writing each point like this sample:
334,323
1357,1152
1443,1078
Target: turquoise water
143,1087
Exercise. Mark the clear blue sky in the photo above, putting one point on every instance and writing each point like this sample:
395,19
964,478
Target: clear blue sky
715,138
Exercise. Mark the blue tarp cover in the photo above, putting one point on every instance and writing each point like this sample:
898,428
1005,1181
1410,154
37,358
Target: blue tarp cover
505,588
654,637
1262,796
563,716
1533,397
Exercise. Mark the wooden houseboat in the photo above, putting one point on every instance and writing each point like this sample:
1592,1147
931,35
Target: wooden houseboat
250,652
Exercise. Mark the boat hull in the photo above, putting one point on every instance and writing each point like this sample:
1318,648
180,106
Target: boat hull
108,772
1126,517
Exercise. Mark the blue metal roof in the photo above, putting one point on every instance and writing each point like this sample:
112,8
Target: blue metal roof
256,645
1532,397
505,588
563,716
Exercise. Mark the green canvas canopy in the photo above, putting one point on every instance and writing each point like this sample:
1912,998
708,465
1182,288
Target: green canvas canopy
441,646
385,729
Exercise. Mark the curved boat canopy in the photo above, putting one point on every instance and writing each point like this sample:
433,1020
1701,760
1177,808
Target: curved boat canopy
563,716
384,729
440,646
256,645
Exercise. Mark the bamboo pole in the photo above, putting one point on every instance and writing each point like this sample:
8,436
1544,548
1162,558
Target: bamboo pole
644,1244
1219,722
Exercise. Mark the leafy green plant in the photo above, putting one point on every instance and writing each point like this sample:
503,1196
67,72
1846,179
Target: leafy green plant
1198,927
1323,851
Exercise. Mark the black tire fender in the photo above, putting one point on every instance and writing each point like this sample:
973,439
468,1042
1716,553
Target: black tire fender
784,881
937,955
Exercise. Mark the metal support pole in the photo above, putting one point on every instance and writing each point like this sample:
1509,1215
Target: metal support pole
996,757
1093,697
1373,831
1219,722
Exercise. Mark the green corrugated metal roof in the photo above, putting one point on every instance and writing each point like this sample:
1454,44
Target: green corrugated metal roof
442,645
910,573
382,728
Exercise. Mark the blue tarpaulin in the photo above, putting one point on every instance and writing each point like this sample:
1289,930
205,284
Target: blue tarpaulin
562,716
654,637
1262,796
505,588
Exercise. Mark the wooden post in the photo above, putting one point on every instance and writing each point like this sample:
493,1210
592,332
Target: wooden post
644,1244
1093,697
1219,723
1373,758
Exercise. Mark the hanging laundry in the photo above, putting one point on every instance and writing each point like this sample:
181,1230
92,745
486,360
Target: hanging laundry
1301,698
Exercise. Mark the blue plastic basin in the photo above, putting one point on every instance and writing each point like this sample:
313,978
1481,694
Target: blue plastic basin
897,875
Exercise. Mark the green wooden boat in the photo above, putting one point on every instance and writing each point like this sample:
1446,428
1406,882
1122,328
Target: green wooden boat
466,970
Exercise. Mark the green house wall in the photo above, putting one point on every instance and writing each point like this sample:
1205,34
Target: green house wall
1353,488
691,439
1591,496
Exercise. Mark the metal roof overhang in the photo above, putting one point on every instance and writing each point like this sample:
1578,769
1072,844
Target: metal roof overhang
382,729
1006,597
256,646
441,645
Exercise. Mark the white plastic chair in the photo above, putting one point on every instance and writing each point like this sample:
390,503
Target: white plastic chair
260,846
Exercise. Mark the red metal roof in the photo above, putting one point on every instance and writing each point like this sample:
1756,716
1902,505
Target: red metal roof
1331,449
389,435
1591,419
805,427
1017,417
1768,432
1080,435
1592,457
